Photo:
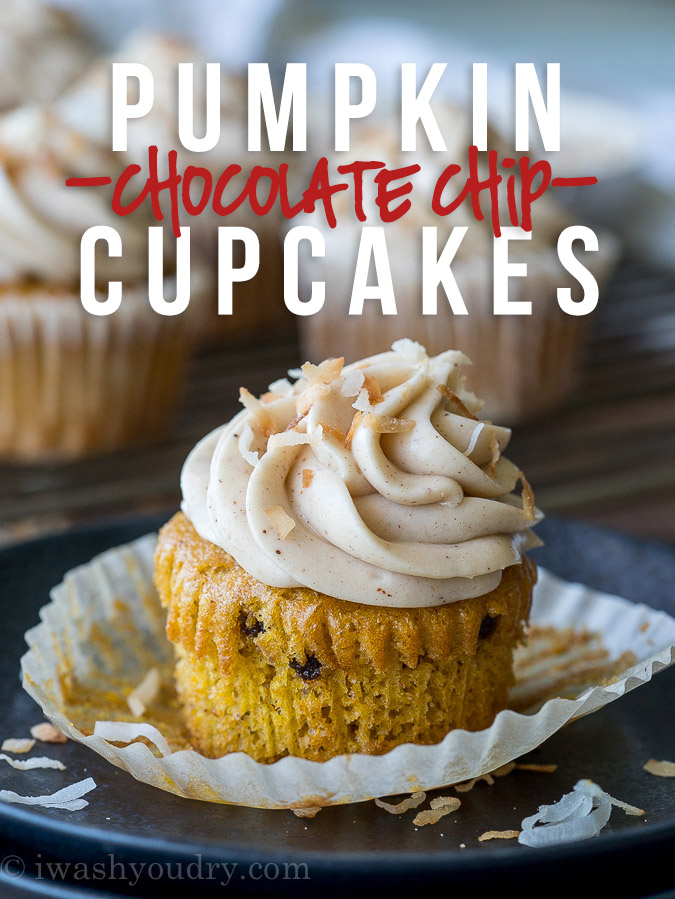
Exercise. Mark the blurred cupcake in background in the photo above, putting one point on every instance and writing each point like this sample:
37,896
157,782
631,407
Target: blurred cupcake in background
72,383
524,364
258,308
42,50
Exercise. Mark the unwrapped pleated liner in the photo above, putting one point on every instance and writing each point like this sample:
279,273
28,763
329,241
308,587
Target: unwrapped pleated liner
104,629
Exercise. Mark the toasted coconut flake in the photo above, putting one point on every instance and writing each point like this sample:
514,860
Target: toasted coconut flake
449,803
452,396
498,835
259,418
309,396
295,422
434,815
324,373
503,770
269,397
287,438
352,428
470,784
383,424
410,802
307,477
409,349
353,383
528,498
592,789
35,762
531,766
373,388
70,798
660,769
18,745
362,403
145,693
336,433
310,812
282,387
48,733
282,522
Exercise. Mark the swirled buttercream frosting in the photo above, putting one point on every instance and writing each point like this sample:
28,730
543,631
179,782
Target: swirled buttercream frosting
41,219
375,483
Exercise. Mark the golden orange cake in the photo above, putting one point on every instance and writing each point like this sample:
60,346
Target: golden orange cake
348,571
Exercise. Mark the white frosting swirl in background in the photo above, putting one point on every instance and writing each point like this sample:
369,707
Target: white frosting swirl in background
42,49
42,220
422,516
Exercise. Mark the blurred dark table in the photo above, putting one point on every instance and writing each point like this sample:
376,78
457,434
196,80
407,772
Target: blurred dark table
609,457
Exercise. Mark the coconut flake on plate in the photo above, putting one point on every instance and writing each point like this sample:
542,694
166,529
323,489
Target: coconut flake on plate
498,835
411,801
451,803
30,764
468,785
579,815
69,798
436,812
46,732
310,812
660,769
17,745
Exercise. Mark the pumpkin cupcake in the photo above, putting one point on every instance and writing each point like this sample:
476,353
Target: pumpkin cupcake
348,571
73,383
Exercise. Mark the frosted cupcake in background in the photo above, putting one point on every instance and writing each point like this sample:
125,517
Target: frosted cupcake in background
72,383
258,307
524,364
42,50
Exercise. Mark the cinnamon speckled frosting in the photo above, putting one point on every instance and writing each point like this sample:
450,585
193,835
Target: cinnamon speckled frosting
374,483
42,220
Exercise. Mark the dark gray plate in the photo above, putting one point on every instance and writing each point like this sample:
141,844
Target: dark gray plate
344,848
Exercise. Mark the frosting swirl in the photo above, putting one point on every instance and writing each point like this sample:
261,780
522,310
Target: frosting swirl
373,483
42,220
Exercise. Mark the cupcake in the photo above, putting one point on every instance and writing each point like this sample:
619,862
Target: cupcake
525,365
72,383
348,571
256,305
42,50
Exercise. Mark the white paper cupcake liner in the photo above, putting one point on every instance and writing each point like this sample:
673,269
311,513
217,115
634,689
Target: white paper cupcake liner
105,628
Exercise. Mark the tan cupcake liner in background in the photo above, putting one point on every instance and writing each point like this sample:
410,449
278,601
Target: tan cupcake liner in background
72,383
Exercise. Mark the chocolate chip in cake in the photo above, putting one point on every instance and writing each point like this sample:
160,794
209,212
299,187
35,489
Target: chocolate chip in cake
309,671
250,626
488,626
